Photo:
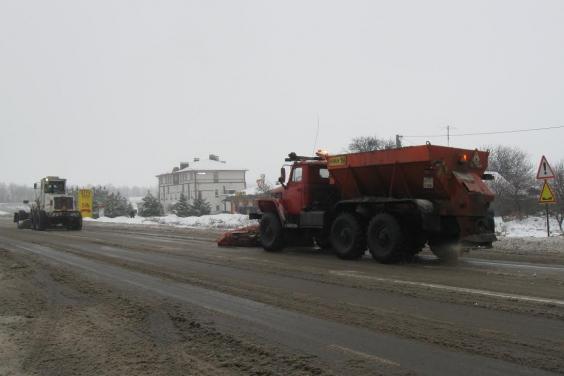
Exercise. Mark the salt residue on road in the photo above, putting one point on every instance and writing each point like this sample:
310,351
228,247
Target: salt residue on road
221,221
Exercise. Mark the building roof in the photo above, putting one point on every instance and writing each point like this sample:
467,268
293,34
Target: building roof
207,165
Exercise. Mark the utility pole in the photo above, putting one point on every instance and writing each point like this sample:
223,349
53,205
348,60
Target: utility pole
398,140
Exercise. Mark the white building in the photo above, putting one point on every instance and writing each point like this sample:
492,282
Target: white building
209,179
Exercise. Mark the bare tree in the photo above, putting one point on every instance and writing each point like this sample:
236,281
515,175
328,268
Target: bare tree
263,186
370,143
517,179
558,185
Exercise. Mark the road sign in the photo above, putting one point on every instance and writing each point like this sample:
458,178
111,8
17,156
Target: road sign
85,197
547,195
544,171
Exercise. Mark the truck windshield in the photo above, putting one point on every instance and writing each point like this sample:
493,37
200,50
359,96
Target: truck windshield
56,187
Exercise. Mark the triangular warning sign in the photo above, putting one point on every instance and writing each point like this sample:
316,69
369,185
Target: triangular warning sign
547,196
476,162
544,171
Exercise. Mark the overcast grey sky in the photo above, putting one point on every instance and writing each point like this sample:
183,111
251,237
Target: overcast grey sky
119,91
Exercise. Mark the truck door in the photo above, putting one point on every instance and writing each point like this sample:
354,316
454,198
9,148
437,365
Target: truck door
294,192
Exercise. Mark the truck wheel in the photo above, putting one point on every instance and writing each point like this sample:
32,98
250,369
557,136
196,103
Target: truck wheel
448,252
77,226
385,238
33,220
271,232
41,220
348,237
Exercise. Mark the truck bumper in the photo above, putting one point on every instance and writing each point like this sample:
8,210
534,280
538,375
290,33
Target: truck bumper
62,218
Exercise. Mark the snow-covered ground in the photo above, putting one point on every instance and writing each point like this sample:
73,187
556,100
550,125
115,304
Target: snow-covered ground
11,208
220,221
527,227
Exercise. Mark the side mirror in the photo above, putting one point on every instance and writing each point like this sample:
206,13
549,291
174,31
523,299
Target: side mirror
282,178
26,201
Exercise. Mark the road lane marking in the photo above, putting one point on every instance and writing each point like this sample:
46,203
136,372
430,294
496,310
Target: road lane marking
436,286
361,354
514,265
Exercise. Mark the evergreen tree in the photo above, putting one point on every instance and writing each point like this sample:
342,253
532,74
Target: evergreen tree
151,207
200,207
117,206
181,208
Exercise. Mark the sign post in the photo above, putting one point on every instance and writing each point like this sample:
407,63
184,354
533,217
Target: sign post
547,195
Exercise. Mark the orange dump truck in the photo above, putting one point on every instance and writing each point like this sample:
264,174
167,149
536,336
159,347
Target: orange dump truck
389,202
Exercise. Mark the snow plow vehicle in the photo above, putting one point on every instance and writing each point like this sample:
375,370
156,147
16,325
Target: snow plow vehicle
389,202
52,207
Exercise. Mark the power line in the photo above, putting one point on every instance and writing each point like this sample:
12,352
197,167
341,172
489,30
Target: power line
486,133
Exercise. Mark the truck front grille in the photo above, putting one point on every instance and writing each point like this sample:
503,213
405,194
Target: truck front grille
63,203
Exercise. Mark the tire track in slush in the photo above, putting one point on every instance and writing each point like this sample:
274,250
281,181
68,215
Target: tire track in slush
316,336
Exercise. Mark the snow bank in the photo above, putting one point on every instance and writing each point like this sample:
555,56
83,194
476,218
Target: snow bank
219,221
527,227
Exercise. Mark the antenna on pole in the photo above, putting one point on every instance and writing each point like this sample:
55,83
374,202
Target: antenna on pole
316,134
448,128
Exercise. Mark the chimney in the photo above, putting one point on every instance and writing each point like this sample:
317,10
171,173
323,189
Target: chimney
184,165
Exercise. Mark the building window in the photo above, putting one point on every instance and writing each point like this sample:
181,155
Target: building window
167,189
216,177
217,208
200,195
216,193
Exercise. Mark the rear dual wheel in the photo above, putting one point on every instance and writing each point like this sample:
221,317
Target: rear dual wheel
76,225
385,239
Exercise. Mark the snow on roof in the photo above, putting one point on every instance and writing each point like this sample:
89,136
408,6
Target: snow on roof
208,165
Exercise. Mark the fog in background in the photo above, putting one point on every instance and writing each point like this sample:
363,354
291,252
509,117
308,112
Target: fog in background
118,91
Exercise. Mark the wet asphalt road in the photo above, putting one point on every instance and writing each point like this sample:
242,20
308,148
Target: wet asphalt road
479,317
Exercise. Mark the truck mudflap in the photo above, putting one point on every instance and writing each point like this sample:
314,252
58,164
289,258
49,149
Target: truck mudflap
485,239
477,230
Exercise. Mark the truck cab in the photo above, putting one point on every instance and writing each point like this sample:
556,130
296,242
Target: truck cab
53,206
307,187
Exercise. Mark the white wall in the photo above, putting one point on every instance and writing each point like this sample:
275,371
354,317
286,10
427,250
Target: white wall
206,183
